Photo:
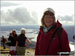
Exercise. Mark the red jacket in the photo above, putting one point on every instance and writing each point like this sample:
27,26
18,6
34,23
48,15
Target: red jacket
43,42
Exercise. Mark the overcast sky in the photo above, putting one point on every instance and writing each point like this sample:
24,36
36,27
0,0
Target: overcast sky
30,12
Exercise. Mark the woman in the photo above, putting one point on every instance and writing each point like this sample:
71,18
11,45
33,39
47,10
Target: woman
21,43
47,44
12,38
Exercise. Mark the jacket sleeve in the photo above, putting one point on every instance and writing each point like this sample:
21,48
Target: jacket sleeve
64,42
37,45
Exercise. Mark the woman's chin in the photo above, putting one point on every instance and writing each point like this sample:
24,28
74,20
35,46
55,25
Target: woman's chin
48,25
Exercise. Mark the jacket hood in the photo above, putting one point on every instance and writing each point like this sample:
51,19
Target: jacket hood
58,24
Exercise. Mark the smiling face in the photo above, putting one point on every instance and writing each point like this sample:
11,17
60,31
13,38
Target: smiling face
48,20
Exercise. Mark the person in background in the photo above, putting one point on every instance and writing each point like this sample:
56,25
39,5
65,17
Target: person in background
12,38
48,42
3,42
22,42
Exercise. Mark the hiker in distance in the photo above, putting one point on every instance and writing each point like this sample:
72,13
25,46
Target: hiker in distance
12,38
52,38
21,43
3,41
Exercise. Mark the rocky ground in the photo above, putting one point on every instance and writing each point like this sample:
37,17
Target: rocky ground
5,52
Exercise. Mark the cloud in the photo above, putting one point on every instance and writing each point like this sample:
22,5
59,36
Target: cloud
22,16
19,16
7,4
67,20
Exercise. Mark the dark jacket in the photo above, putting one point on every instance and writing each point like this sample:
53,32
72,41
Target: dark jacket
21,40
54,47
13,40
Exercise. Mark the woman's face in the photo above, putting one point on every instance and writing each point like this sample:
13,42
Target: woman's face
48,20
14,32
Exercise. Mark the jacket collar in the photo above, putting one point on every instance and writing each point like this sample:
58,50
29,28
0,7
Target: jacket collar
55,26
